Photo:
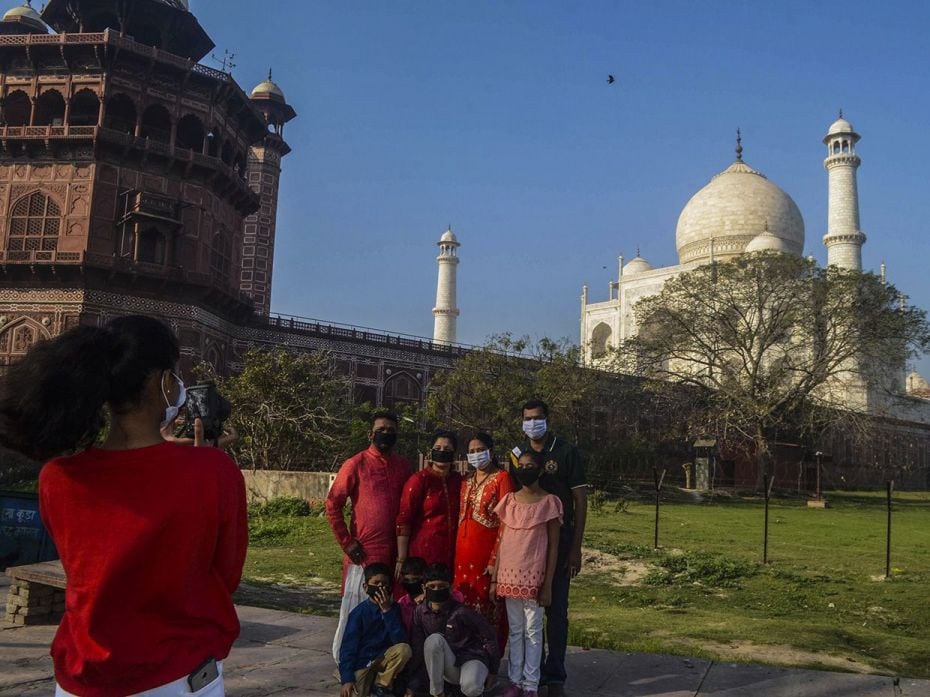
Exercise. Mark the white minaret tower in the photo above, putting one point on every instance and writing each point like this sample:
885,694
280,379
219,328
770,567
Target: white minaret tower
844,239
446,312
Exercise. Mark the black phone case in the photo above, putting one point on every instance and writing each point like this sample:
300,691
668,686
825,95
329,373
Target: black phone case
203,676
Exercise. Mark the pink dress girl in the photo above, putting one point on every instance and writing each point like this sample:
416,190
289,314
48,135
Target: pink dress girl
521,578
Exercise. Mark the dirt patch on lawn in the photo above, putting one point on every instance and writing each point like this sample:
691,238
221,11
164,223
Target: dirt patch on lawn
749,652
310,599
623,572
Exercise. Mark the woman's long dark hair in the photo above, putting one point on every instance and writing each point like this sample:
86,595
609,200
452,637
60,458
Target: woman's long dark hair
52,401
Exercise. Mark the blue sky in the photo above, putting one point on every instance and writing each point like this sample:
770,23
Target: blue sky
496,117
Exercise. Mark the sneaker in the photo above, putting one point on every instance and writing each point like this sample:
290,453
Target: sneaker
379,691
513,691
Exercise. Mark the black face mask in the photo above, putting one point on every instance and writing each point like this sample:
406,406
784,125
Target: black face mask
373,590
414,588
443,457
438,595
527,476
384,440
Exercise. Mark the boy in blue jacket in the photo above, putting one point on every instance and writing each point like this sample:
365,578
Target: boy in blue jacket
374,647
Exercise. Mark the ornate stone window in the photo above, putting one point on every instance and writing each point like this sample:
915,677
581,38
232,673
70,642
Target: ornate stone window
85,109
599,338
152,247
221,255
190,133
399,389
156,124
17,109
35,222
121,114
50,109
24,336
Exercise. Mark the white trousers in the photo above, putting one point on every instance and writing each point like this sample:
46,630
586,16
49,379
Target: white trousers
175,688
525,618
353,596
441,668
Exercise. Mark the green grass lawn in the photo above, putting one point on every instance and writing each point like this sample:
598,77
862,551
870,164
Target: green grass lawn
822,601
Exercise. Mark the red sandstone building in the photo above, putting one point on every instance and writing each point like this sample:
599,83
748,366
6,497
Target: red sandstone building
134,179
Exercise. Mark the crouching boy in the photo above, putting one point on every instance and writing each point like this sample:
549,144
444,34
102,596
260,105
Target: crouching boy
452,643
374,647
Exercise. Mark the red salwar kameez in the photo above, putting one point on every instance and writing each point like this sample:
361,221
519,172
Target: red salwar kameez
474,546
429,514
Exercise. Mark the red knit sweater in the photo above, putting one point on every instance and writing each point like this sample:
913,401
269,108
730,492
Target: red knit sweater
152,541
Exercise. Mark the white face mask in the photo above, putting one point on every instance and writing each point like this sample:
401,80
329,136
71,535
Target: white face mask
535,429
480,460
171,411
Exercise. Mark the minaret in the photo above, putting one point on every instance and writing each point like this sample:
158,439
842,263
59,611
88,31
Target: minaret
446,312
264,174
844,239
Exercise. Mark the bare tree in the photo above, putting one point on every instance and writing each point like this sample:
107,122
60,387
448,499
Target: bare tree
774,343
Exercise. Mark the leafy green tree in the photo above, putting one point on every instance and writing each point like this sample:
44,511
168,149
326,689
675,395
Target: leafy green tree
623,428
483,391
292,411
772,343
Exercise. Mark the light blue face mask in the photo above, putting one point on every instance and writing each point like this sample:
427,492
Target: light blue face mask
479,460
535,429
171,411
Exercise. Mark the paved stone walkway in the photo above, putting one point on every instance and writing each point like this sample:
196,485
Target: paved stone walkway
286,655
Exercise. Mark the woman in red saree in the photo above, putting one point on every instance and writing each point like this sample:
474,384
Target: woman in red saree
477,534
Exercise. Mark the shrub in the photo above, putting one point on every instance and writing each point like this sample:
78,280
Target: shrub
281,507
271,530
699,568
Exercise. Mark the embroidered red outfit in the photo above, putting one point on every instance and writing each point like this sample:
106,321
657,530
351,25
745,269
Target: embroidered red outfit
429,514
373,484
521,557
474,545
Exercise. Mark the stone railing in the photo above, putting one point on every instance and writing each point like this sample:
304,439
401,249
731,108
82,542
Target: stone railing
41,256
364,334
46,132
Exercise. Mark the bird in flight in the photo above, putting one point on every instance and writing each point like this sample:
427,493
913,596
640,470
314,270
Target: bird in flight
611,80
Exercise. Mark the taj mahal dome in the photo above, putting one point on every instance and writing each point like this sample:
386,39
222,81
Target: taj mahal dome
738,211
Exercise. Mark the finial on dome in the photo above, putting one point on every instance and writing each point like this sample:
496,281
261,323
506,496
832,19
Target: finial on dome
269,74
739,146
841,113
637,250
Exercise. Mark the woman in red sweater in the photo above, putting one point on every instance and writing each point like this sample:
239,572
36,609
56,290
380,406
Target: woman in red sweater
152,534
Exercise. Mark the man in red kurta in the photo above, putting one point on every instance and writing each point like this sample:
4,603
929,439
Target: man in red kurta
373,481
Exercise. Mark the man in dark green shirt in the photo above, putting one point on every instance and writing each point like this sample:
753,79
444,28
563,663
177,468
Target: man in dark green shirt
564,476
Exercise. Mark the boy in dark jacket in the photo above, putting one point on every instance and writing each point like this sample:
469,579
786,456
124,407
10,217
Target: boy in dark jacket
374,647
451,642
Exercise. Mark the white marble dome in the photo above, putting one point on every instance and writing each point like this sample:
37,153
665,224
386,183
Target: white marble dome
448,236
24,14
636,265
841,125
730,211
767,242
